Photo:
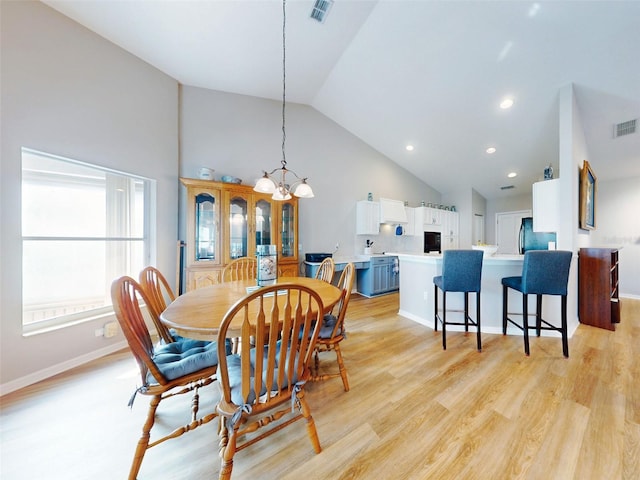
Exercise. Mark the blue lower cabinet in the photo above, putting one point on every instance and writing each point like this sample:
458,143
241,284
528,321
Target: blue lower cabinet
381,277
310,268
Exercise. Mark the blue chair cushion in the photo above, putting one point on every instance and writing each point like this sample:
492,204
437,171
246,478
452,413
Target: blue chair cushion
544,272
184,357
328,323
234,367
513,282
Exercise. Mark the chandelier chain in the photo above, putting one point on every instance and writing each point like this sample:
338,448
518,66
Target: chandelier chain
284,82
274,183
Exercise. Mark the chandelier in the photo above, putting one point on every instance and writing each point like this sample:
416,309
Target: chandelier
275,181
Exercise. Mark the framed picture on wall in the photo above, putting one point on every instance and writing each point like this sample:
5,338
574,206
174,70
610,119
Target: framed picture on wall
587,197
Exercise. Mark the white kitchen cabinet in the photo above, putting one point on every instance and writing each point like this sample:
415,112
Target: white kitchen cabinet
449,242
418,220
367,218
450,230
410,227
546,204
450,223
392,211
432,216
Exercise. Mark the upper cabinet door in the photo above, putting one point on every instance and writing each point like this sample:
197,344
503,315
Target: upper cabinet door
206,227
237,225
264,226
288,248
546,204
203,227
250,222
367,218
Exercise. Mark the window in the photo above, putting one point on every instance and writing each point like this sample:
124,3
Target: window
82,227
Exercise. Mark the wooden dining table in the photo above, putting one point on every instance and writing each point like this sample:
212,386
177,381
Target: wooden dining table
198,313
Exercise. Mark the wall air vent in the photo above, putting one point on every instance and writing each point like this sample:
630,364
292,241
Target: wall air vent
624,128
321,10
507,187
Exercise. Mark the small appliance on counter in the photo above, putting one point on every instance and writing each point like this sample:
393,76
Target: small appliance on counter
313,261
316,257
530,240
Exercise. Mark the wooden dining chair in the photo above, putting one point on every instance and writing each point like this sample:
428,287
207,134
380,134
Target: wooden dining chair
244,268
326,270
333,331
263,387
159,295
165,370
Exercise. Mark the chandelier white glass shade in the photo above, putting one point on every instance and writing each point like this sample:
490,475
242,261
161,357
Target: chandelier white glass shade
276,182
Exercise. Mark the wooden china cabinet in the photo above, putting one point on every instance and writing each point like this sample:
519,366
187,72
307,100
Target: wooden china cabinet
226,221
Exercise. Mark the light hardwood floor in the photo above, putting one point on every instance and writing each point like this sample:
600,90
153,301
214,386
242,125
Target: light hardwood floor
414,412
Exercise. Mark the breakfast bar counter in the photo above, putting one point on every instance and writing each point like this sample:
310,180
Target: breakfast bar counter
417,291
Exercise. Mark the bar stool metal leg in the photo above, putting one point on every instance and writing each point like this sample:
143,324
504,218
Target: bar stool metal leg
565,333
435,306
444,320
525,321
478,338
505,296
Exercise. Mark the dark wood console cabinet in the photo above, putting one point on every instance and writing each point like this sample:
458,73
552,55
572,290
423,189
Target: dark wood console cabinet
598,302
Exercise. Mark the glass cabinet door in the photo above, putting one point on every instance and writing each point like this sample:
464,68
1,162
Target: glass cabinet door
206,233
288,229
238,227
263,223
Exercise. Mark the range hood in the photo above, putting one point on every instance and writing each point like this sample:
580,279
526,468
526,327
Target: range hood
392,211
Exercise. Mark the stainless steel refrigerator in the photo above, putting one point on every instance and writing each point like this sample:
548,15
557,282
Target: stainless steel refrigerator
530,240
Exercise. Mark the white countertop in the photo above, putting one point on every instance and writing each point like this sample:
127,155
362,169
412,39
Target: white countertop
352,258
419,257
437,257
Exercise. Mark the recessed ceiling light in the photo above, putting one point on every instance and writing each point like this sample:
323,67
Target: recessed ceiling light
491,150
512,174
506,103
409,148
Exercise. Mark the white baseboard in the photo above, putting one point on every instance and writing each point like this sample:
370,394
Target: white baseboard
45,373
492,330
415,318
628,295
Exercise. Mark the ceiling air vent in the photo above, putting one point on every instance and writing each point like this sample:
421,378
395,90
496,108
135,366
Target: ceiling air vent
507,187
321,9
624,128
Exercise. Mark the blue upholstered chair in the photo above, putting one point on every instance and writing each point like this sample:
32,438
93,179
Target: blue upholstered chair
461,272
166,370
262,388
544,272
333,331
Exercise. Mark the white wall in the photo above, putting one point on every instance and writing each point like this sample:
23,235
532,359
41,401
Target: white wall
468,203
618,226
499,205
241,136
67,91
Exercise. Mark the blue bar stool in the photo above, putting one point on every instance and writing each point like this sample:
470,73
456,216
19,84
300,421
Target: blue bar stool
461,272
544,272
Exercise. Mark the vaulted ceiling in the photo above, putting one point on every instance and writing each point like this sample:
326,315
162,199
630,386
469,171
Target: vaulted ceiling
427,73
